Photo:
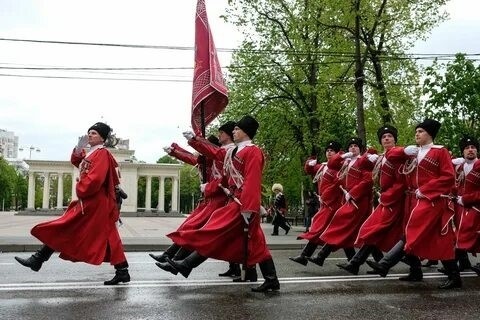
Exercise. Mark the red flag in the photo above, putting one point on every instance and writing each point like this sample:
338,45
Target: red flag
209,89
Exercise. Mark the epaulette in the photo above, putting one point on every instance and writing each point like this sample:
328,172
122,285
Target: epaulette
437,146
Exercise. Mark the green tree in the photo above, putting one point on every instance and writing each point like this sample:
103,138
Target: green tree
454,99
189,188
311,71
8,181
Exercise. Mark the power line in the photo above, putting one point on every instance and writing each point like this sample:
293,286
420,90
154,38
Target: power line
400,56
92,78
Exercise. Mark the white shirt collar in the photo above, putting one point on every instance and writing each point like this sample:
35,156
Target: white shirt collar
427,146
93,149
243,144
228,146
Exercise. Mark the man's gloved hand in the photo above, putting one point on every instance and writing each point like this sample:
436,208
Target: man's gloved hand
460,201
168,150
346,155
419,194
246,216
312,163
202,187
82,143
411,150
372,157
189,135
458,161
348,196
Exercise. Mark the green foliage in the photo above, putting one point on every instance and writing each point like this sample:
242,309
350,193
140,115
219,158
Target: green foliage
296,71
454,99
8,182
189,188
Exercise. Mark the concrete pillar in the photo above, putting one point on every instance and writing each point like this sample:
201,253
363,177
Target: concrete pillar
161,194
148,195
60,191
31,191
75,176
174,194
46,190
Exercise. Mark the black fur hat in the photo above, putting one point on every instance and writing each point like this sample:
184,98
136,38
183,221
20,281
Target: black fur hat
468,141
227,127
431,126
387,129
249,125
357,141
334,145
103,129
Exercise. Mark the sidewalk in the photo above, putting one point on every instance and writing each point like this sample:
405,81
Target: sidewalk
137,233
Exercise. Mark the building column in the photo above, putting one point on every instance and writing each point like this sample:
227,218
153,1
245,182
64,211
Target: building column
174,194
60,191
148,195
75,176
161,194
31,191
46,190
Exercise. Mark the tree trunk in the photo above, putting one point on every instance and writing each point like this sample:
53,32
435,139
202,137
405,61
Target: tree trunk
359,77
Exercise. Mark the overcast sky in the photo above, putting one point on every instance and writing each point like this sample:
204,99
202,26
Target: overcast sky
51,113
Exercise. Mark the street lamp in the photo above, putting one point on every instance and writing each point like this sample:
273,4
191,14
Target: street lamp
31,148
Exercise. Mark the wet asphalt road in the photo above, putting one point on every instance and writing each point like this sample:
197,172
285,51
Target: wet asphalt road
65,290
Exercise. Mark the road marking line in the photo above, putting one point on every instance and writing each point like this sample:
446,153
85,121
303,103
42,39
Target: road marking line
201,282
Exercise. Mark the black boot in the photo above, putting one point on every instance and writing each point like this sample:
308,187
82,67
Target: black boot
233,271
186,265
250,275
170,252
463,262
377,254
324,252
454,280
167,267
121,274
270,275
349,253
353,265
390,259
181,254
476,268
430,263
415,273
36,260
307,251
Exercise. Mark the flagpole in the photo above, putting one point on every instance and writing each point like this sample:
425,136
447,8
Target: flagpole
202,127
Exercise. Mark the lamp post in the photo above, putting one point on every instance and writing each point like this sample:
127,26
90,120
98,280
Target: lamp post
31,148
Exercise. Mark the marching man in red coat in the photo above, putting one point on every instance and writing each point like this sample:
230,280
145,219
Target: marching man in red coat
467,207
87,231
429,232
355,179
213,196
384,227
233,232
330,200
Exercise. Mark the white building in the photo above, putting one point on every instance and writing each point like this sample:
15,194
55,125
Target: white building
8,144
130,173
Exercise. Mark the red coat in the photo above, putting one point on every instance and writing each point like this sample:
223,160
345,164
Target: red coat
429,231
357,180
222,236
315,171
384,227
87,231
214,197
331,198
468,237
